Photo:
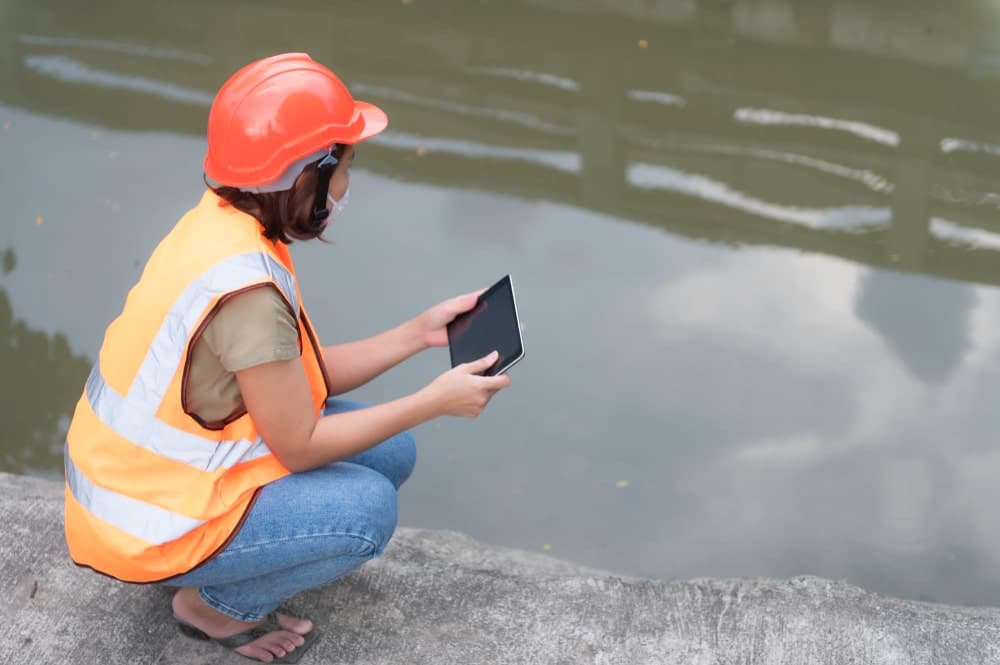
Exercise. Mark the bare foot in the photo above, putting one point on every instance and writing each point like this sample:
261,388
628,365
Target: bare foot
189,607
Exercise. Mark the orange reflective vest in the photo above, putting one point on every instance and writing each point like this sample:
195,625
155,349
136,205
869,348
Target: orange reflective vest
151,492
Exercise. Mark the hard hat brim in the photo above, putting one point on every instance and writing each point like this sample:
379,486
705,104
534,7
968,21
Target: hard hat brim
375,120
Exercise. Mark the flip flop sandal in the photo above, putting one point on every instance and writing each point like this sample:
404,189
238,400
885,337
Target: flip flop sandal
234,642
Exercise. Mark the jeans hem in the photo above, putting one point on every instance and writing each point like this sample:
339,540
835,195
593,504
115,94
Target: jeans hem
219,606
372,543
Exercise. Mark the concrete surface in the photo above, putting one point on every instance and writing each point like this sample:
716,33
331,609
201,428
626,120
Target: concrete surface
440,597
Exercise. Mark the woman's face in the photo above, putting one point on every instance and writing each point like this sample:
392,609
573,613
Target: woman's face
342,174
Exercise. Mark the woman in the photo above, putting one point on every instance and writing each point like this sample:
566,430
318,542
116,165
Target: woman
206,452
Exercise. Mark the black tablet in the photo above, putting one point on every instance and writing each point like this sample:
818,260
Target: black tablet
491,325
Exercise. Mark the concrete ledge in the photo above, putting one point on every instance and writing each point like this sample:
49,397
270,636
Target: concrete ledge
440,597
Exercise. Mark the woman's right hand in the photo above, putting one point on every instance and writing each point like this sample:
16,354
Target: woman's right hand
462,392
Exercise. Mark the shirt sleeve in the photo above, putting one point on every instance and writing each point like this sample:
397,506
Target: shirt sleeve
253,328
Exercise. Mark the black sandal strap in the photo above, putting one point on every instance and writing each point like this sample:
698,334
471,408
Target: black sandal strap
269,625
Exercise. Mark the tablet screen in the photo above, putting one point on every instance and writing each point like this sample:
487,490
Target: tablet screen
489,326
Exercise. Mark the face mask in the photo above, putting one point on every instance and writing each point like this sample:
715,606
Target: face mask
337,207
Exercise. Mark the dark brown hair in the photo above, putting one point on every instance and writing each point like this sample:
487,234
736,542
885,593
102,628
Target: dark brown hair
284,215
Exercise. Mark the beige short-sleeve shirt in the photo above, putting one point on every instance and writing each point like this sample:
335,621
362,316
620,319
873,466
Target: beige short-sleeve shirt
249,329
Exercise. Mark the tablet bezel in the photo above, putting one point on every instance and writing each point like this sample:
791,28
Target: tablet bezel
509,362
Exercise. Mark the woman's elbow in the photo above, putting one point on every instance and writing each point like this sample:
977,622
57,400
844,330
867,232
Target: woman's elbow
293,455
293,464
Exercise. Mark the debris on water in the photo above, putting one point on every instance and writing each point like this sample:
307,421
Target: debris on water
621,484
407,2
34,589
894,258
6,124
546,547
421,151
39,220
643,43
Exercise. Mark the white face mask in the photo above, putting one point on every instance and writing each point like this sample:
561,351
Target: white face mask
337,207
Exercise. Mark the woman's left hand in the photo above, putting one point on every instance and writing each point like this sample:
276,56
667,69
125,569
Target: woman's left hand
432,324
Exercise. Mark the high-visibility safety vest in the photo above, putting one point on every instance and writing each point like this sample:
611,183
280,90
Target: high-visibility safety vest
151,492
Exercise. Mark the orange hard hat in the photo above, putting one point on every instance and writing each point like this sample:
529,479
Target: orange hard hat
275,116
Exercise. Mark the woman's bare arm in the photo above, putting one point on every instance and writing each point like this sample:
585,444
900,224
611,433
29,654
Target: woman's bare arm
354,364
278,400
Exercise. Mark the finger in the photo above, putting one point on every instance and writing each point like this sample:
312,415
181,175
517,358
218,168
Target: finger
496,383
483,363
476,293
464,302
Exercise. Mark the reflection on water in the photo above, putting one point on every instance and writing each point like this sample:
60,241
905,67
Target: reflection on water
74,71
713,191
41,383
756,244
925,322
115,47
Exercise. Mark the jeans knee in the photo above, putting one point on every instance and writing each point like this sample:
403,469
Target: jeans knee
406,456
381,513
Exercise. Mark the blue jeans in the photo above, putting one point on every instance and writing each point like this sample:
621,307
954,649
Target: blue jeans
307,529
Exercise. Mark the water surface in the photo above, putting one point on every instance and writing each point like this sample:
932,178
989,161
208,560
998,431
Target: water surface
755,244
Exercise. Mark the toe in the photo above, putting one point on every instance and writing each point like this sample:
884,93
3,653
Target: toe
296,625
258,652
278,643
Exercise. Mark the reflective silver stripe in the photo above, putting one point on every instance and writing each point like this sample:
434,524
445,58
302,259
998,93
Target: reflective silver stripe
137,518
167,349
131,422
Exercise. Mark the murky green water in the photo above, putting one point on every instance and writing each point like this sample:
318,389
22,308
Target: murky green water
756,245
